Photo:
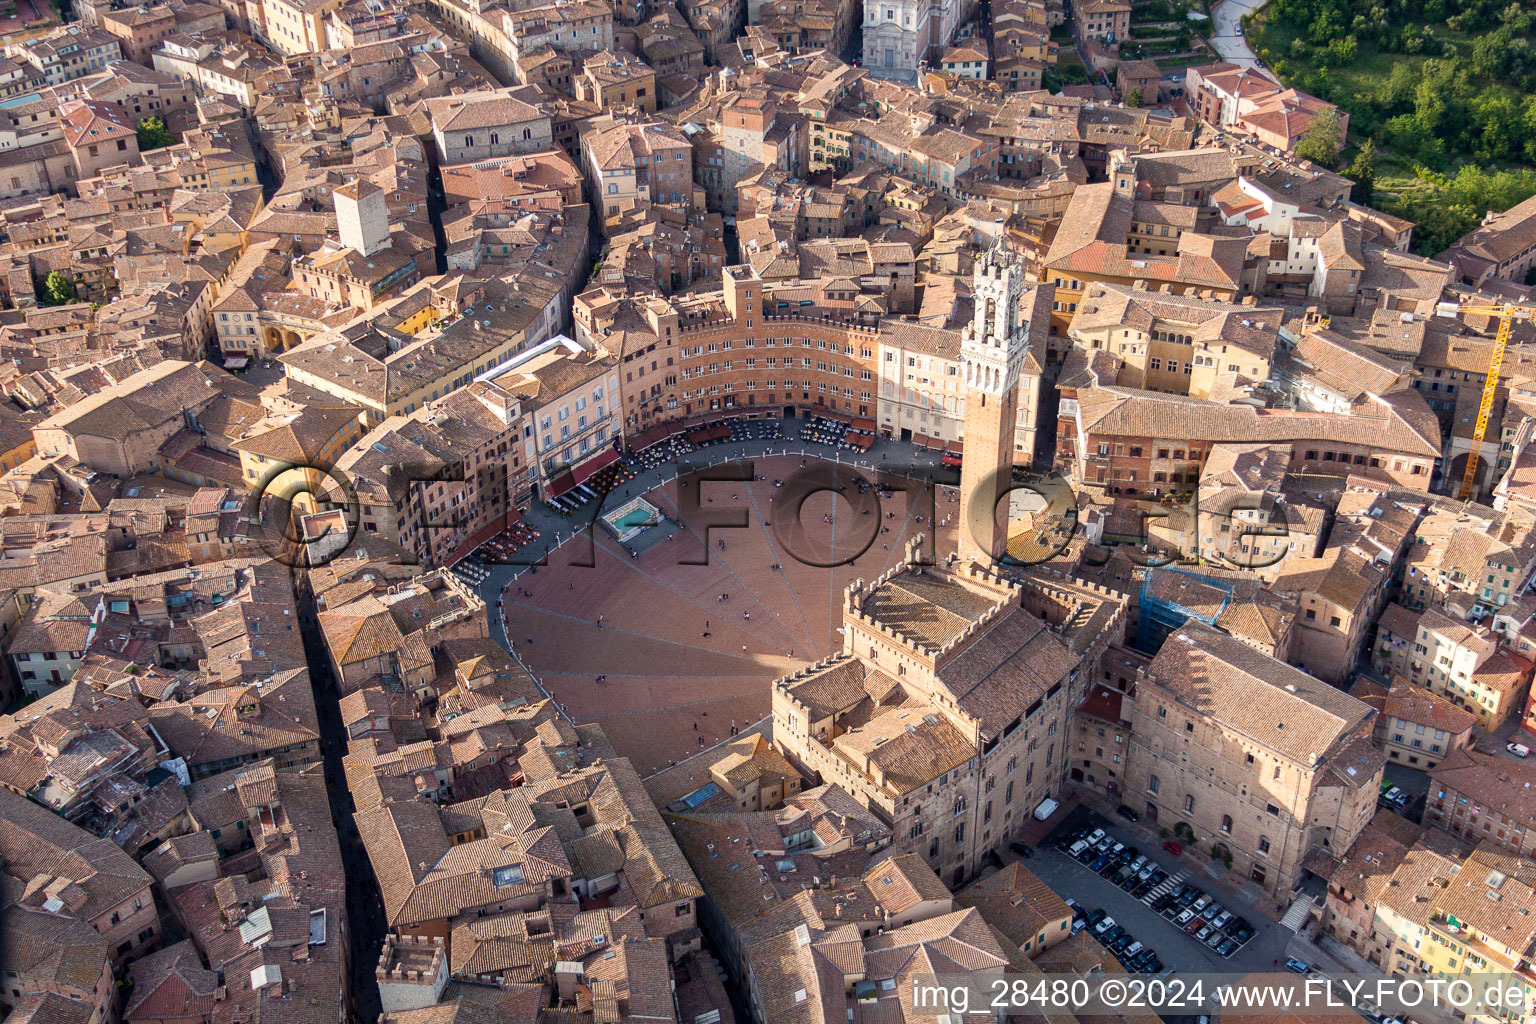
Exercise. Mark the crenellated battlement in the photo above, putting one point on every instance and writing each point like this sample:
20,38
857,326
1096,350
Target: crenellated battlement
977,627
889,633
802,674
410,960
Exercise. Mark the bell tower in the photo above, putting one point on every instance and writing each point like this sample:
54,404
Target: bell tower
992,350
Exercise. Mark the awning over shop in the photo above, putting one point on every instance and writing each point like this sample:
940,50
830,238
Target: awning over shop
582,473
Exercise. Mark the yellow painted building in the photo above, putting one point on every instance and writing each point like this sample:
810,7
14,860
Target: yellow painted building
297,26
1482,923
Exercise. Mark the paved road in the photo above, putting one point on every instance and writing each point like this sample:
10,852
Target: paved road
365,908
1226,41
1175,948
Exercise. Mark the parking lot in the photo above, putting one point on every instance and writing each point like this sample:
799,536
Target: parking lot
1174,946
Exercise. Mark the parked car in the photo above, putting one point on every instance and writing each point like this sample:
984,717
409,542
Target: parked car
1129,854
1188,895
1139,863
1098,862
1211,912
1221,919
1103,925
1239,927
1227,947
1518,749
1201,903
1134,950
1153,966
1147,871
1216,938
1094,836
1122,943
1185,916
1297,966
1096,915
1194,926
1173,847
1126,813
1077,848
1022,850
1110,936
1203,933
1078,926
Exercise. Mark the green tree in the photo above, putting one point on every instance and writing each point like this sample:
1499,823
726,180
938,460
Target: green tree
153,134
1133,98
1342,52
1363,172
1323,138
58,289
1445,208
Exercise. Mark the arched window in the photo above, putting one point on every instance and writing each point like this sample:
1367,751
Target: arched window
1226,824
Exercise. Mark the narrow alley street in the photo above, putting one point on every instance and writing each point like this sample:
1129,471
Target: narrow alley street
365,908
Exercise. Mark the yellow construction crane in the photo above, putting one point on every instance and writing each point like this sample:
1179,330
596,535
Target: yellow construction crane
1506,313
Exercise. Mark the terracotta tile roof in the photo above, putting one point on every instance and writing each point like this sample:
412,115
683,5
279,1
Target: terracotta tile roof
53,948
50,1008
240,721
1366,870
1507,920
38,843
1374,423
902,882
1492,782
1410,703
1422,875
1268,701
171,983
1018,904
